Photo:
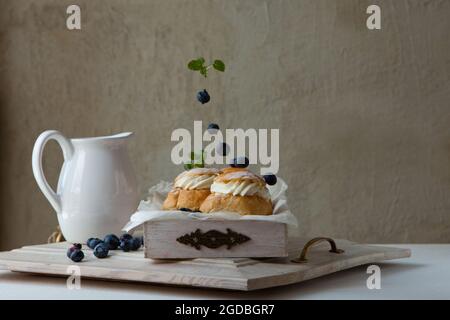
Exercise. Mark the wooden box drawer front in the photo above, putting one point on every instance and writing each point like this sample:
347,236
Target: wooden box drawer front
266,239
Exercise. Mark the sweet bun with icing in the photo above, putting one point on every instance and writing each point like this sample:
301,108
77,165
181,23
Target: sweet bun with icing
238,190
190,189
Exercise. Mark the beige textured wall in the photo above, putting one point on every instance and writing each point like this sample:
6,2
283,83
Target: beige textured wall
364,116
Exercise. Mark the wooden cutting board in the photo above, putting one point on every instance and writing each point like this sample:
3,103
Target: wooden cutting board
224,273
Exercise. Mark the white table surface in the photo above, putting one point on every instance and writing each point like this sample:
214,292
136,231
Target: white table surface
425,275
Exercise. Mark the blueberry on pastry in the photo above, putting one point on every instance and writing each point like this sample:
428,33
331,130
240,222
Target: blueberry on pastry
190,189
238,190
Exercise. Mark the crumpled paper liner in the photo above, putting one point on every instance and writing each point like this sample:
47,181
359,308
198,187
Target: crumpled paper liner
150,210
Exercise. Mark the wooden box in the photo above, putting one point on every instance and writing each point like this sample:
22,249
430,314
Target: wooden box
176,239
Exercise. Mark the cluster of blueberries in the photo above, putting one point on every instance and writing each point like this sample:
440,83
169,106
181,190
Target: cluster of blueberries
101,247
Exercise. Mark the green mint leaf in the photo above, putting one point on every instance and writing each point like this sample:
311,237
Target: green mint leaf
187,166
197,160
194,65
219,65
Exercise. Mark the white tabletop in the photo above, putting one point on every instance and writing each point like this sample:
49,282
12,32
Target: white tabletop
425,275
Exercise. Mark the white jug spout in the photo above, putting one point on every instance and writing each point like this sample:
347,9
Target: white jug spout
119,136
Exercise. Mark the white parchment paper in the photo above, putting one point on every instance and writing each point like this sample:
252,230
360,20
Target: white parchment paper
150,209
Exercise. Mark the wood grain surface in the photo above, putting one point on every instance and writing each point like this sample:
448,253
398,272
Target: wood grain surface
224,273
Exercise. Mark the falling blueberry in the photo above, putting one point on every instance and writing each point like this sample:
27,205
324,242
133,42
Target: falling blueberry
136,244
101,251
213,128
112,241
203,96
222,149
240,162
76,255
93,242
270,179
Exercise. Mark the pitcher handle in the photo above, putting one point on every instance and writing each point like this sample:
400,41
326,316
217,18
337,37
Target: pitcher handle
38,171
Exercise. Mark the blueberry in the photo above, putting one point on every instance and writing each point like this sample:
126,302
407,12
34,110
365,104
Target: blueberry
73,247
213,128
76,255
222,149
185,209
126,245
88,241
101,251
126,236
240,162
203,96
93,242
136,244
70,250
112,241
270,179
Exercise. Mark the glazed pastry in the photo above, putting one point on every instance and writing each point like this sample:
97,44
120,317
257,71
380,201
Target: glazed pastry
190,189
238,190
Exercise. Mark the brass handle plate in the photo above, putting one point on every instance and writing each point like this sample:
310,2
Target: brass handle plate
213,239
302,258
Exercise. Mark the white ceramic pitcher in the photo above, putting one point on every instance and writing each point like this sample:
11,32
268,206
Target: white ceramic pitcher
97,190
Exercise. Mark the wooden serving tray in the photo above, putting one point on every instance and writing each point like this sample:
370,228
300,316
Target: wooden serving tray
224,273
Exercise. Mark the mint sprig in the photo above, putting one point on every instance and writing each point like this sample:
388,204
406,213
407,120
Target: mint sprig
200,159
199,65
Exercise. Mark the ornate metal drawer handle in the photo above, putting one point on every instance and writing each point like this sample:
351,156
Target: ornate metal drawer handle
310,243
213,239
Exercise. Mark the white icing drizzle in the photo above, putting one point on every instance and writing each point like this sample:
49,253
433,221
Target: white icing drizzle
241,188
190,182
